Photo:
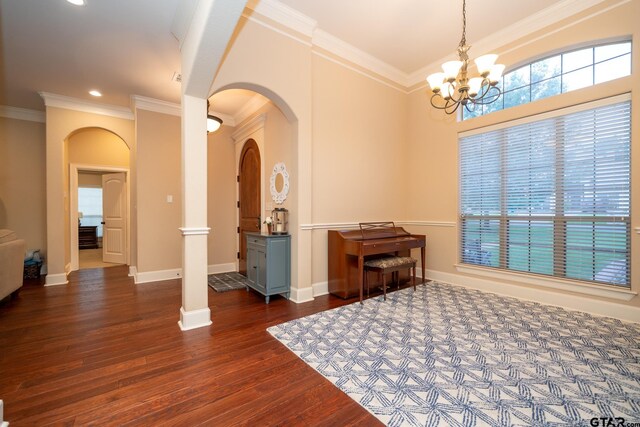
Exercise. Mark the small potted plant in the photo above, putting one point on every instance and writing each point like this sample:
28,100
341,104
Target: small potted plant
269,221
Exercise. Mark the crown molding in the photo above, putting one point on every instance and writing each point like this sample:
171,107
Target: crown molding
156,105
296,21
227,120
253,125
254,104
284,15
515,31
338,47
61,101
22,114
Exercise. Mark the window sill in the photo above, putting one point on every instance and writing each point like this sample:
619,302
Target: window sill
551,283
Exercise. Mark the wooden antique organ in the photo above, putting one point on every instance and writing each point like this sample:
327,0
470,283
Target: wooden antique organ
348,249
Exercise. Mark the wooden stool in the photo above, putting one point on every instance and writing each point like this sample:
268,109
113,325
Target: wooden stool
392,264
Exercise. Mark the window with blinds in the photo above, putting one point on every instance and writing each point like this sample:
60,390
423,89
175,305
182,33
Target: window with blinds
550,195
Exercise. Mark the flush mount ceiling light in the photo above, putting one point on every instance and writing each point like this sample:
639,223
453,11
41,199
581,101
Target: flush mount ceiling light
454,87
77,2
213,122
95,93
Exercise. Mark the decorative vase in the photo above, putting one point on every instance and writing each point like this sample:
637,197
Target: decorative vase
268,228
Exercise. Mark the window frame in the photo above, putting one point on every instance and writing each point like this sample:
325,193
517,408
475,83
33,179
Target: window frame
622,292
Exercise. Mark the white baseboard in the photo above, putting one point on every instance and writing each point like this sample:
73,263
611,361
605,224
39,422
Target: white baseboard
194,319
221,268
320,288
157,276
570,302
174,273
301,295
3,423
56,279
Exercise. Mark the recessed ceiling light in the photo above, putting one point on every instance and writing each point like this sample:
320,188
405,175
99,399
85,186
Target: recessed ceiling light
95,93
77,2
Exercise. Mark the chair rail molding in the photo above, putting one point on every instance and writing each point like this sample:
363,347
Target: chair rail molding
346,225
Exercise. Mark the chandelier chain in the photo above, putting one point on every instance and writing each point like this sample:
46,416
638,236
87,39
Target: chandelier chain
458,86
463,41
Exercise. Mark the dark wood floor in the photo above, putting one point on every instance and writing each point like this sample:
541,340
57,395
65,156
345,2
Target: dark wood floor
104,351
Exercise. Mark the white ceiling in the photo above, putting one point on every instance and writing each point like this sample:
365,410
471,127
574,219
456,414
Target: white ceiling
120,47
125,47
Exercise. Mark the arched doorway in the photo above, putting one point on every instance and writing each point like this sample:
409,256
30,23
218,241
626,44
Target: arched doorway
98,166
249,187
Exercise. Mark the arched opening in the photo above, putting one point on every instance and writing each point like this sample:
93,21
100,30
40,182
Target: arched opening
96,163
252,117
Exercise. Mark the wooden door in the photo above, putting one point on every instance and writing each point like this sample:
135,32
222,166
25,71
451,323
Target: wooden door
249,204
114,218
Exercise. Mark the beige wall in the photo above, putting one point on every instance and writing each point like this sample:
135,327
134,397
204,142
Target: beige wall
22,180
158,154
279,148
433,137
359,153
221,197
89,180
97,147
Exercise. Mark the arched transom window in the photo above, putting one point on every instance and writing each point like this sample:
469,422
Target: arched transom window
558,74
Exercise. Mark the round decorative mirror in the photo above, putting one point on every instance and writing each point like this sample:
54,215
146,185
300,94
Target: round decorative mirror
279,183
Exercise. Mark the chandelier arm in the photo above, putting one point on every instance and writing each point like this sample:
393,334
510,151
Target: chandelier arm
455,106
492,98
485,87
433,104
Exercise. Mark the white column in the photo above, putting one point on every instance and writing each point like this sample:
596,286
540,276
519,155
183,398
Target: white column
194,312
204,29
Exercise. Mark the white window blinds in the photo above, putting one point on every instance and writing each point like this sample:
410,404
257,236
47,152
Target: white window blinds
550,196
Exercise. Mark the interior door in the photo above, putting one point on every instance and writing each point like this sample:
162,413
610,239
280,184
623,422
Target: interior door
249,203
114,218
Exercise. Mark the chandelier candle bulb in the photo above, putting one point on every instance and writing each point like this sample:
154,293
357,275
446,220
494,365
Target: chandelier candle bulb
435,81
496,73
485,63
446,90
451,70
474,86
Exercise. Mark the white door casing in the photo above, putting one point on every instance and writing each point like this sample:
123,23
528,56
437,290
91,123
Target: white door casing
114,208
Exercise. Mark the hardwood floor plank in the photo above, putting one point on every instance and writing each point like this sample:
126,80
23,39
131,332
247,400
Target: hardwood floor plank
104,351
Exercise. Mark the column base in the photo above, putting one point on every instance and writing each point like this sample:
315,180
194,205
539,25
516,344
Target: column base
194,319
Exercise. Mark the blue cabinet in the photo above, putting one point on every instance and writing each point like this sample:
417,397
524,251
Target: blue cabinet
269,264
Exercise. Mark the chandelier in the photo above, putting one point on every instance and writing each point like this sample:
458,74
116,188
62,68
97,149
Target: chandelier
455,87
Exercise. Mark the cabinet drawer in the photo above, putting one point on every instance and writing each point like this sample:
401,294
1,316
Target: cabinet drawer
255,241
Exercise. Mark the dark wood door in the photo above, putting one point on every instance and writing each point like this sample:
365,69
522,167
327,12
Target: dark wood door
249,209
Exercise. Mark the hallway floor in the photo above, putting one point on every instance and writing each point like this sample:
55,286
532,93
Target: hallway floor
92,258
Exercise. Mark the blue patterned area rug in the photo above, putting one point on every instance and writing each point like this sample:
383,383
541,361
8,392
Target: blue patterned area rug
447,355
